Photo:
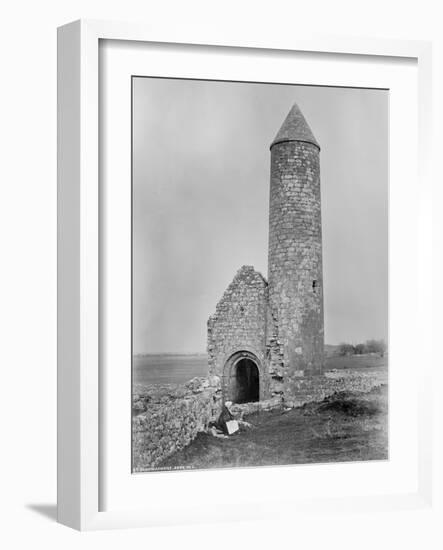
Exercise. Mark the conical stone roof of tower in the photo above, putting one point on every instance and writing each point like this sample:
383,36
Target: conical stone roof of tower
295,128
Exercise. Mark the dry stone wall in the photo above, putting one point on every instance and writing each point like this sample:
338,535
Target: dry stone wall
167,418
316,388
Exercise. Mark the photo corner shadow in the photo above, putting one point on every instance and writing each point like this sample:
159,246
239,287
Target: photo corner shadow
48,511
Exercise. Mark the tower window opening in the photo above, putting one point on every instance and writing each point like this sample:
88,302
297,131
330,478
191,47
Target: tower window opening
314,285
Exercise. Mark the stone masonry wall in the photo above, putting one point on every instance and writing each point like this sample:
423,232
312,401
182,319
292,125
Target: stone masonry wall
316,388
239,321
295,281
167,418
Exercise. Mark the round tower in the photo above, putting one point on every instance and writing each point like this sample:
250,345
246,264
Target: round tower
295,333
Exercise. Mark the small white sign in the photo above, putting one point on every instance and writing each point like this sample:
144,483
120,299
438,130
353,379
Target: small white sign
232,426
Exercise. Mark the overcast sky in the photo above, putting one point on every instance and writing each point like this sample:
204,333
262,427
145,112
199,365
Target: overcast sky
201,190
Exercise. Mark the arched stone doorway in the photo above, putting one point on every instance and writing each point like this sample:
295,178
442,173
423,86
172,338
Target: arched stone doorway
241,379
246,382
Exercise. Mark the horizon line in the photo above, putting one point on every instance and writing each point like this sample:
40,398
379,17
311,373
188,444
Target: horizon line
205,352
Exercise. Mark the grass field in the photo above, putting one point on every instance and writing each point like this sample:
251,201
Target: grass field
368,361
344,427
177,369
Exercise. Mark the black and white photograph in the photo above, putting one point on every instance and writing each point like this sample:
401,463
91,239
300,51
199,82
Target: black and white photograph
222,266
259,274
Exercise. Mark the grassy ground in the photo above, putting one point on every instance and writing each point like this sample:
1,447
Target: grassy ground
356,362
344,427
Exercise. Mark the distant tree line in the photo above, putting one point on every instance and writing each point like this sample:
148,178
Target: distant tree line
370,346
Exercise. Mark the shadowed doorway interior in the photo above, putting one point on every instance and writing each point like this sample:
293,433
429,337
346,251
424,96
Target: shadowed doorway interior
246,382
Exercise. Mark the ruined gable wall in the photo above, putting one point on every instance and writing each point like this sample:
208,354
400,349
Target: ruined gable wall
239,322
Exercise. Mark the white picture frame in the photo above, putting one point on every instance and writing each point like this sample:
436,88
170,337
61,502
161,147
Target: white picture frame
79,322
